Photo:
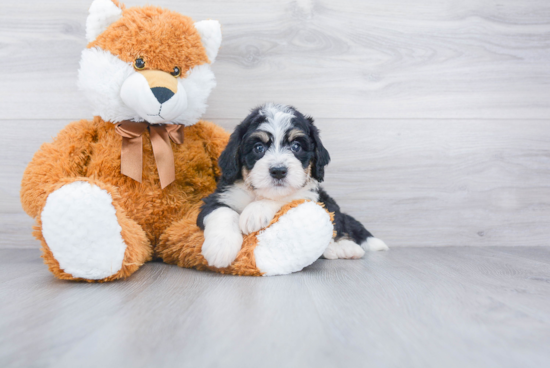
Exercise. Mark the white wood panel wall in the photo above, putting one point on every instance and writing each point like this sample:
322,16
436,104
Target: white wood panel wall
436,113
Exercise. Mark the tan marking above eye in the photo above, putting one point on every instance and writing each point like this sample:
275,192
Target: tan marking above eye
264,137
295,133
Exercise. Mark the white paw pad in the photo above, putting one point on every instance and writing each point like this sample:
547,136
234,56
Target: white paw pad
374,244
343,249
80,227
222,238
295,241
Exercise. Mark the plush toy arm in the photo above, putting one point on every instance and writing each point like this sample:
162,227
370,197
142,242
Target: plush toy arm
66,157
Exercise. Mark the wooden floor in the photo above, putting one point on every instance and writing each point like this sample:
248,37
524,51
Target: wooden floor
409,307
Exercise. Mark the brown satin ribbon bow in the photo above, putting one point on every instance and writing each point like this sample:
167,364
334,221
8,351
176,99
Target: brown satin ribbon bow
132,148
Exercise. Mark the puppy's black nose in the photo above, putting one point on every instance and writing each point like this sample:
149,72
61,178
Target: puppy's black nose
162,94
278,172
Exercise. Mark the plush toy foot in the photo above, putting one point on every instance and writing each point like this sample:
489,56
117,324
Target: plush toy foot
82,232
295,241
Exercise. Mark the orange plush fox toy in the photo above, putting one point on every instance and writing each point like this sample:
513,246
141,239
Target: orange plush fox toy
112,193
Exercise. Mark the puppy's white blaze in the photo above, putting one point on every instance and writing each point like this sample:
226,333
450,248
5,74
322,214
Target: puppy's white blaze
102,75
237,196
279,119
374,244
137,94
222,237
269,110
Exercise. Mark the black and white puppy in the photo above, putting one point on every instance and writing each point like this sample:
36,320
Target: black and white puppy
273,157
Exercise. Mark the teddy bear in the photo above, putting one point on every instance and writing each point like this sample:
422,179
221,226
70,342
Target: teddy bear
112,193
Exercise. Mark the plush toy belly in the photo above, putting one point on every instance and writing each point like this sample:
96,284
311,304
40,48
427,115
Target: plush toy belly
152,207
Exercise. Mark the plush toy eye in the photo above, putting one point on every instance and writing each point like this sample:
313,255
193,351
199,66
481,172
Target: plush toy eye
139,63
176,73
295,147
259,148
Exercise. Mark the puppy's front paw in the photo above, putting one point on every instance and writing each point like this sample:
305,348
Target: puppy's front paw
222,238
220,251
257,215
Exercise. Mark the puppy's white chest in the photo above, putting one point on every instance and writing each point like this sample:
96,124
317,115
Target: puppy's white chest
237,197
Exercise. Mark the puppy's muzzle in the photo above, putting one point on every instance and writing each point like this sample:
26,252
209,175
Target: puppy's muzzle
278,172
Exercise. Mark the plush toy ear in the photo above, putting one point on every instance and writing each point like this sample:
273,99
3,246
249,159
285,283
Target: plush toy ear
211,37
322,157
103,13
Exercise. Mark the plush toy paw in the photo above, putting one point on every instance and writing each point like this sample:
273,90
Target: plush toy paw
258,215
295,241
343,249
222,237
80,227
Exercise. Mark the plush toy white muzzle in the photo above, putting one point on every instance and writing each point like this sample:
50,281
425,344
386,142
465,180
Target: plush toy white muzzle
155,95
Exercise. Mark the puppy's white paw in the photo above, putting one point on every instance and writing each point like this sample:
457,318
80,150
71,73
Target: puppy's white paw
374,244
257,215
343,249
222,237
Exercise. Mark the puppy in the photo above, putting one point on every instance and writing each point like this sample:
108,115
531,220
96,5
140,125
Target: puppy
273,157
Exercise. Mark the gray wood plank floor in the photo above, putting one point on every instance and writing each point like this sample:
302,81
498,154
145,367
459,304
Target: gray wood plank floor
409,307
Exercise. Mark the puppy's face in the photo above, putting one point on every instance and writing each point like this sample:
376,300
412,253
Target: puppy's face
276,150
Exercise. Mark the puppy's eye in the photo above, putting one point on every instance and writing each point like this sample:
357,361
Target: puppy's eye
295,147
259,148
176,73
139,63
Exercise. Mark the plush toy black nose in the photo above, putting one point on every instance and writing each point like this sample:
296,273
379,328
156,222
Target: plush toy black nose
162,94
278,172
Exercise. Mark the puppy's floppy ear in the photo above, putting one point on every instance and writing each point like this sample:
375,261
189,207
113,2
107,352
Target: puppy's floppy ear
322,157
230,160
